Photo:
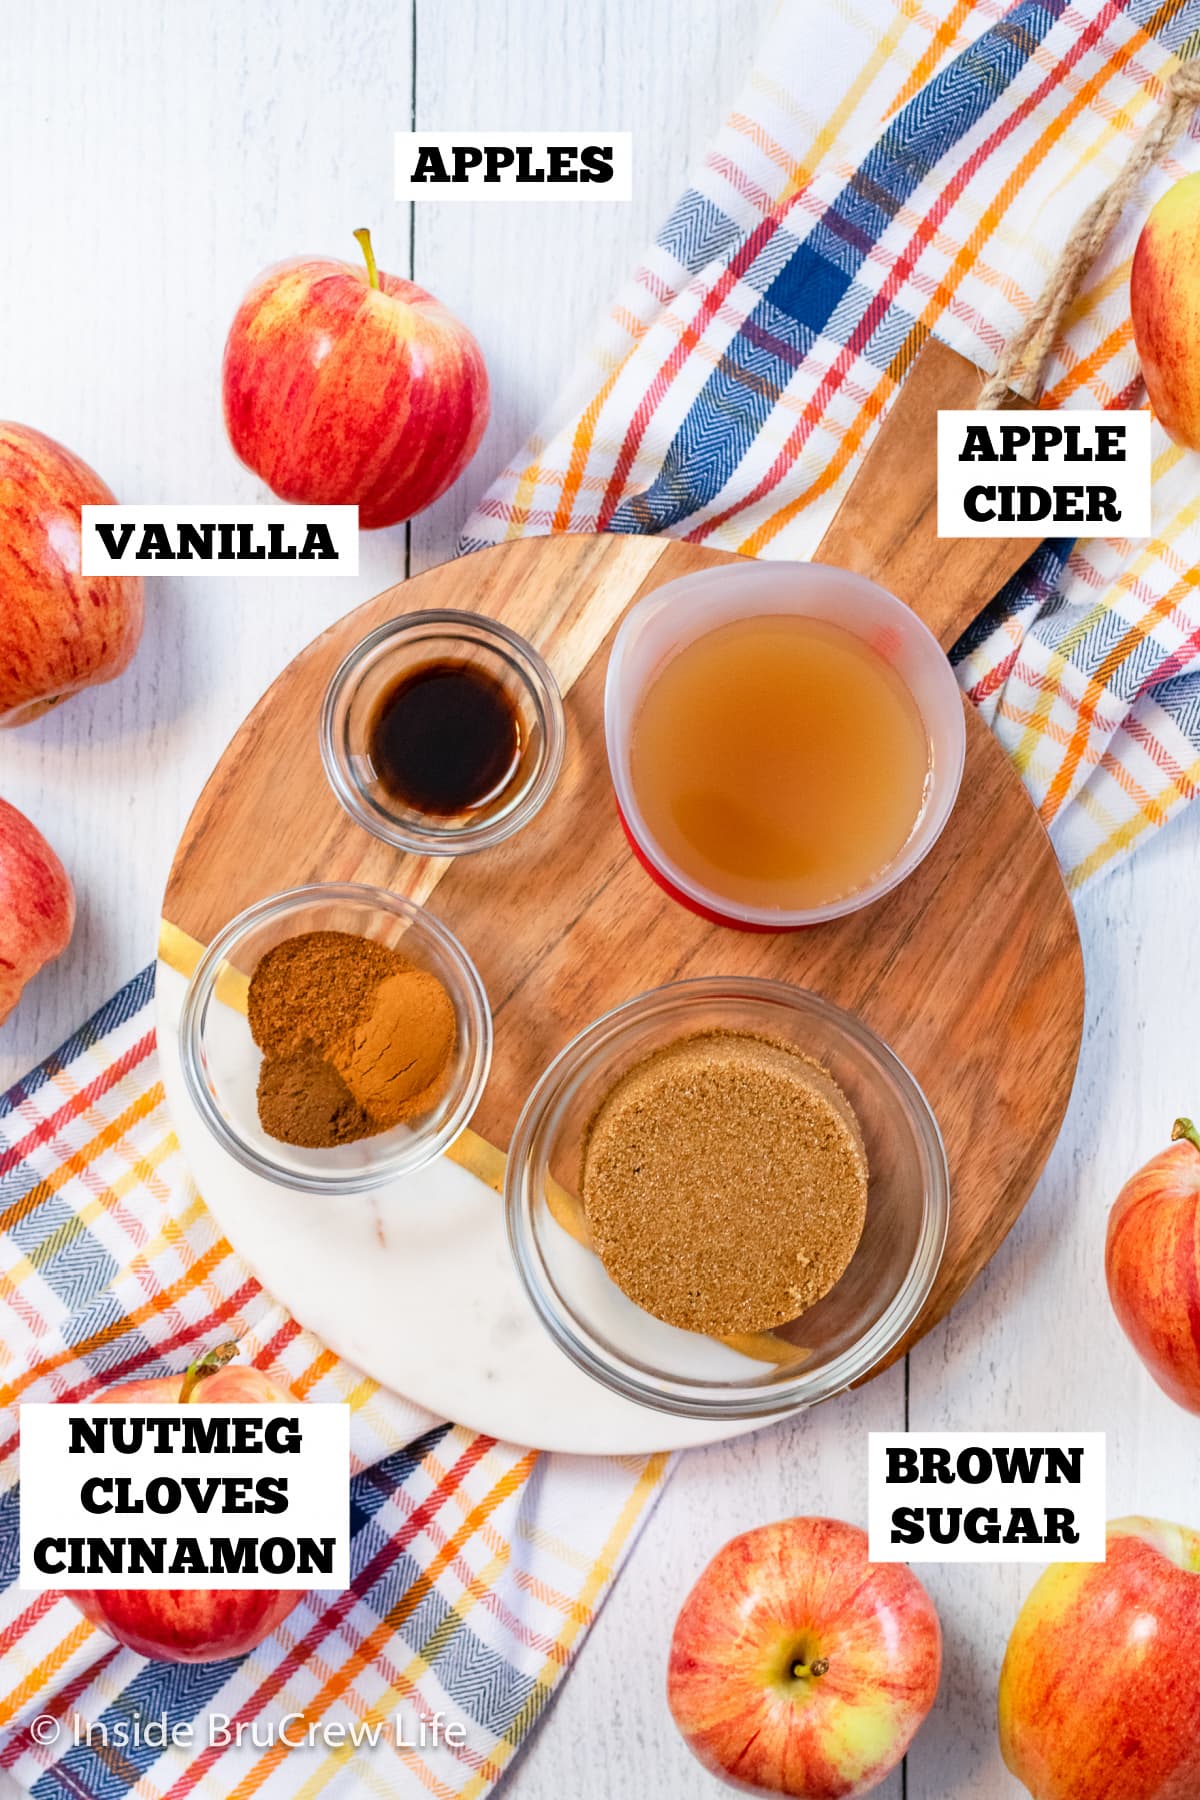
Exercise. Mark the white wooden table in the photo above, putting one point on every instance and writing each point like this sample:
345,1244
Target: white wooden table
157,156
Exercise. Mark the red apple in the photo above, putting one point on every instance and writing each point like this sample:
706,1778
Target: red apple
37,905
347,386
1164,301
192,1624
1100,1689
798,1667
1152,1261
59,630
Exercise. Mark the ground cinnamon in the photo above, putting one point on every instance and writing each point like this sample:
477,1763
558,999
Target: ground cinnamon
397,1050
354,1038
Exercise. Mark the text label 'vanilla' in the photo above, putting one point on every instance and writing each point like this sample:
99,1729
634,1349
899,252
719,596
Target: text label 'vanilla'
217,540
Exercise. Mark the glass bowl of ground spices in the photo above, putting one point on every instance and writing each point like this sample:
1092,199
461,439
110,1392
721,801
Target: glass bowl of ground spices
335,1038
442,732
727,1199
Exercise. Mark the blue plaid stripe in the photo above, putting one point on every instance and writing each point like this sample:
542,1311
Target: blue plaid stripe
114,1013
815,286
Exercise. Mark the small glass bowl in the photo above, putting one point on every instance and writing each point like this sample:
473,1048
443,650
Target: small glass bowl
406,643
836,1342
221,1060
690,607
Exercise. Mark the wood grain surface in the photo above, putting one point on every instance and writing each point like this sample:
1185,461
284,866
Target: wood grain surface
971,970
886,525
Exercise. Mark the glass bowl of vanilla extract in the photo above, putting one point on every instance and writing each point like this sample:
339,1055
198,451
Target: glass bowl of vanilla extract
442,732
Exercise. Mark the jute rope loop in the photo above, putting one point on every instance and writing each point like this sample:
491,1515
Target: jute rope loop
1023,361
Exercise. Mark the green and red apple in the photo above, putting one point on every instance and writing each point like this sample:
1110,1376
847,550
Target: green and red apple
1100,1688
37,905
798,1667
1164,299
59,630
344,385
1152,1263
192,1625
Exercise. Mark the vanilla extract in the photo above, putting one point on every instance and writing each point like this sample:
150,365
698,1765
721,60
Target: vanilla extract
445,738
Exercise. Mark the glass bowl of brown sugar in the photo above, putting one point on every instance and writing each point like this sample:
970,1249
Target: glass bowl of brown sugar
335,1038
727,1199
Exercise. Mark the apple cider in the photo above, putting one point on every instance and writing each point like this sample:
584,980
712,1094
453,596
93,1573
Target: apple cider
780,761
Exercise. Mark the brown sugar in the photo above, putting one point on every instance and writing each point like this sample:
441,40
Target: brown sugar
724,1179
398,1051
354,1038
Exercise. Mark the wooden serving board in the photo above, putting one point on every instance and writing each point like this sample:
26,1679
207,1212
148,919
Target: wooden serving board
971,969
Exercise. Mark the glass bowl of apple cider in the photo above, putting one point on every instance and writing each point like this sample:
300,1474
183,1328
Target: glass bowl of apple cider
786,741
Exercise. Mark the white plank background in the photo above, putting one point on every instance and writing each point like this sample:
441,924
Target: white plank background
157,155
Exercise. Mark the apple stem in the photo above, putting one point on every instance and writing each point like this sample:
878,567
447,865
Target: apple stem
1183,1128
208,1364
364,243
818,1667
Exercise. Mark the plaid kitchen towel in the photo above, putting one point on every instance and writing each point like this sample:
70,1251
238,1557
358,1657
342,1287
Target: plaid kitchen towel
892,170
476,1566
